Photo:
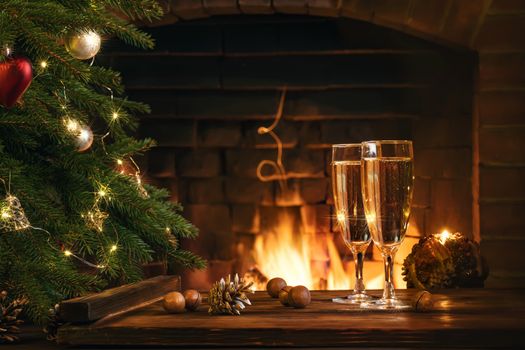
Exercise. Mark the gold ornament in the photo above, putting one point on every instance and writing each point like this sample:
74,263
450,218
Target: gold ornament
83,45
173,303
95,219
229,297
12,215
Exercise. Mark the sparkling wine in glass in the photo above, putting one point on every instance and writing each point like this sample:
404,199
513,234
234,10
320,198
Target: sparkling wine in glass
346,185
387,184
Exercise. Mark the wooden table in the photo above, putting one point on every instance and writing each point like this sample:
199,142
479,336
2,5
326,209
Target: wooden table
476,318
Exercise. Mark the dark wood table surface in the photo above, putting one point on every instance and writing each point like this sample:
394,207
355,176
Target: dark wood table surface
471,318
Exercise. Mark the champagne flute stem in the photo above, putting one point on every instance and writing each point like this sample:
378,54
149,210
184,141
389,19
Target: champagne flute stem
359,258
389,292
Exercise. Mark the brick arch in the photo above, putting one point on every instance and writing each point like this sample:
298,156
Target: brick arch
452,23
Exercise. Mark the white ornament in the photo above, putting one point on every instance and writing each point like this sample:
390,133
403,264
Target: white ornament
82,133
84,139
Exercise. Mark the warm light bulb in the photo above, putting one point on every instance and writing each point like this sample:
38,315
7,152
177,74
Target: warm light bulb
113,248
341,217
43,64
168,230
72,125
67,253
6,214
114,115
104,192
120,162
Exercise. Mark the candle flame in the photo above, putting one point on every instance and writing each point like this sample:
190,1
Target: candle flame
446,235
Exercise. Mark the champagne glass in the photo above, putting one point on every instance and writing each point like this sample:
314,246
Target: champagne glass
387,185
346,185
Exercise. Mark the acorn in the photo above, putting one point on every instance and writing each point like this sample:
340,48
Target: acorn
423,301
173,303
283,295
299,297
274,286
192,299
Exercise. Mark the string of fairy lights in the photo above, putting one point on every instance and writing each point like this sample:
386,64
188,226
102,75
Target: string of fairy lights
83,45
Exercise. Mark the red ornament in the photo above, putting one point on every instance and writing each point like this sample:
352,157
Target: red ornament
15,77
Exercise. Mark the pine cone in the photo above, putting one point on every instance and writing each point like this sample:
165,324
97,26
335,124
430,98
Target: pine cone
9,321
229,297
434,265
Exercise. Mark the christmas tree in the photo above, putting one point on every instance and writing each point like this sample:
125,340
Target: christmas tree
74,214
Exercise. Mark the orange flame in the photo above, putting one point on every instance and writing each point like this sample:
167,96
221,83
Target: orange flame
311,260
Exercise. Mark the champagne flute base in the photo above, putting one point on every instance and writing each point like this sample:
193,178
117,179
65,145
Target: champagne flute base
356,298
385,304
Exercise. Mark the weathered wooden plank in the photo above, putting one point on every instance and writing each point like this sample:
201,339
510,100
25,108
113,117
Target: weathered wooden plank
95,306
469,317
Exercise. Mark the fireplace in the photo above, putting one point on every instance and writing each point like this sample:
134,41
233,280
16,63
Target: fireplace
213,83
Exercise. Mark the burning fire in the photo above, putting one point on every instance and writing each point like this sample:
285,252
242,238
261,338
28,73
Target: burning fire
287,251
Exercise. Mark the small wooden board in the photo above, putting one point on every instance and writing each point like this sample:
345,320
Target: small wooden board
115,300
476,318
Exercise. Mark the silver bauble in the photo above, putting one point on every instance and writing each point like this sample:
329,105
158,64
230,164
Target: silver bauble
84,138
83,45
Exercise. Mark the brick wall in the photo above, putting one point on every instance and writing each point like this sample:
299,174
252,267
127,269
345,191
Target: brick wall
212,83
500,129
